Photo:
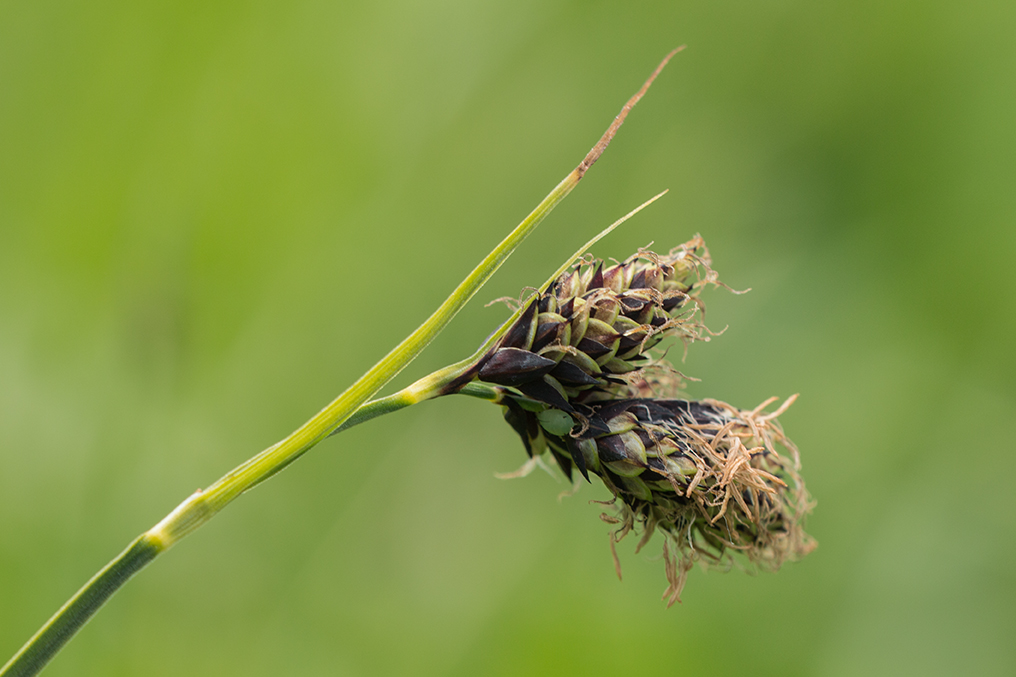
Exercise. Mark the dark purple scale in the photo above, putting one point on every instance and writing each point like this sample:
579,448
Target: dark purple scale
669,304
632,304
571,374
547,333
541,391
514,367
517,335
567,308
593,348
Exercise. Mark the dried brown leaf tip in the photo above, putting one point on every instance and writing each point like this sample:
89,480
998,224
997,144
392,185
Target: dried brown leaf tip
720,483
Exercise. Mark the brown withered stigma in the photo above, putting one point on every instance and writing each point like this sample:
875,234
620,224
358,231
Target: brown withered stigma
706,474
572,375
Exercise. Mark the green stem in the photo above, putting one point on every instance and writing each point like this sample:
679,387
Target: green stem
483,391
79,608
203,505
400,400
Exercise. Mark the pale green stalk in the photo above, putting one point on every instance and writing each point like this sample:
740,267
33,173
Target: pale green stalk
203,505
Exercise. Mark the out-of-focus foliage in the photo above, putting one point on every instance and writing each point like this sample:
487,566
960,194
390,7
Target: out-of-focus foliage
214,217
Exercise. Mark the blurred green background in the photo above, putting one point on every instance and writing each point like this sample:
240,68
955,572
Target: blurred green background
214,216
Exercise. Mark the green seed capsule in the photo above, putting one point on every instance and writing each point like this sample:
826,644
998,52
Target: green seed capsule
556,422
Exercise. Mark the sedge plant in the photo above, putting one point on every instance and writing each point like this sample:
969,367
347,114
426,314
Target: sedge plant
573,371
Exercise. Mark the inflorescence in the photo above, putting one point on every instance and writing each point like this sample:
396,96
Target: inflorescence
577,382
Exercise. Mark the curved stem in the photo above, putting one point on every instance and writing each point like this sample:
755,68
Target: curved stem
192,512
203,505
